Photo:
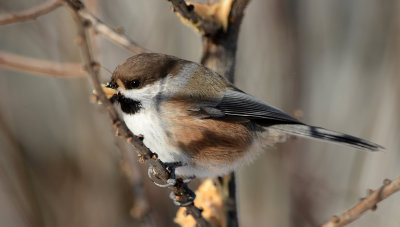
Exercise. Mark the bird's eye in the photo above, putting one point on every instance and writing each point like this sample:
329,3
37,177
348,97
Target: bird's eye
134,83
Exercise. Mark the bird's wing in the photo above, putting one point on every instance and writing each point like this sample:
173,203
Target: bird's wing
239,104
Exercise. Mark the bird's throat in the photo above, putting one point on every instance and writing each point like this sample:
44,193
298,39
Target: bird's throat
129,106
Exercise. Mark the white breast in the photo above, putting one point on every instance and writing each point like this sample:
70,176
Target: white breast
147,123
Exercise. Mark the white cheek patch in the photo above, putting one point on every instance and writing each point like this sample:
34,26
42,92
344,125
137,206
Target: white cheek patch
145,94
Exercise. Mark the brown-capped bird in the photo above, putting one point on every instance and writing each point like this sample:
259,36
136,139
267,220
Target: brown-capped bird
190,115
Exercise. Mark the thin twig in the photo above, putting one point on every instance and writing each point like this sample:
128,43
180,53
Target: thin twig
96,23
41,67
111,34
180,189
30,14
369,203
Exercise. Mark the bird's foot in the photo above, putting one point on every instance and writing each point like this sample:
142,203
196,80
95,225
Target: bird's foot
170,166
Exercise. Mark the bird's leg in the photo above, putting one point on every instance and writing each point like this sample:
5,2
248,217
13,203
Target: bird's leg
170,166
178,199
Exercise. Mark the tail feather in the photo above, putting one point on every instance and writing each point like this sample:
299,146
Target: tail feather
327,135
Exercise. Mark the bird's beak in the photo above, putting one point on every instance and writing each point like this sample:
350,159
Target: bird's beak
108,91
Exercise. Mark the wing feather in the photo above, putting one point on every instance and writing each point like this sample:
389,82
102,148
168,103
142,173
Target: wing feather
239,104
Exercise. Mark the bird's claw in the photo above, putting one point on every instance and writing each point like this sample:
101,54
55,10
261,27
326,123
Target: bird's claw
154,177
171,168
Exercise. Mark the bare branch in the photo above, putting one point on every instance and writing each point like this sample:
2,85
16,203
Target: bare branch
180,188
389,187
97,24
111,34
30,14
41,67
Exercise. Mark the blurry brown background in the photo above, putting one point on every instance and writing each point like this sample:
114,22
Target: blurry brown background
335,60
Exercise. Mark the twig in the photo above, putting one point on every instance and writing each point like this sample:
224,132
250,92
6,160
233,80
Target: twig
180,189
30,14
41,67
204,25
96,23
374,197
111,34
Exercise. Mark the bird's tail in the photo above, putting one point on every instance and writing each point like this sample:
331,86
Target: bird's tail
327,135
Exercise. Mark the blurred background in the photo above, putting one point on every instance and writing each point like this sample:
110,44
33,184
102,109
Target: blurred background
336,63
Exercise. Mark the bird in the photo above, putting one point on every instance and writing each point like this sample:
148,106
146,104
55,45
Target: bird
190,115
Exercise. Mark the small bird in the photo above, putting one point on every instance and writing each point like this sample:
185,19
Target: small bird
191,115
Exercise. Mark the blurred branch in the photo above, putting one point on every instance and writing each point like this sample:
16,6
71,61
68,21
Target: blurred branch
30,14
370,202
20,185
140,209
96,23
41,67
180,189
111,34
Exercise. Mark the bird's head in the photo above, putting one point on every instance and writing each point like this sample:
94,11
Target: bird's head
136,82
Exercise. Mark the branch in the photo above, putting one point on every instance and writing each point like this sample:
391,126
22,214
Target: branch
182,192
41,67
30,14
96,23
188,15
374,197
219,50
111,34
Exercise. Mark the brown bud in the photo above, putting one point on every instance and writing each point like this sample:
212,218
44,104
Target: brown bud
95,66
86,23
141,160
374,207
335,219
120,30
117,124
386,182
129,139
